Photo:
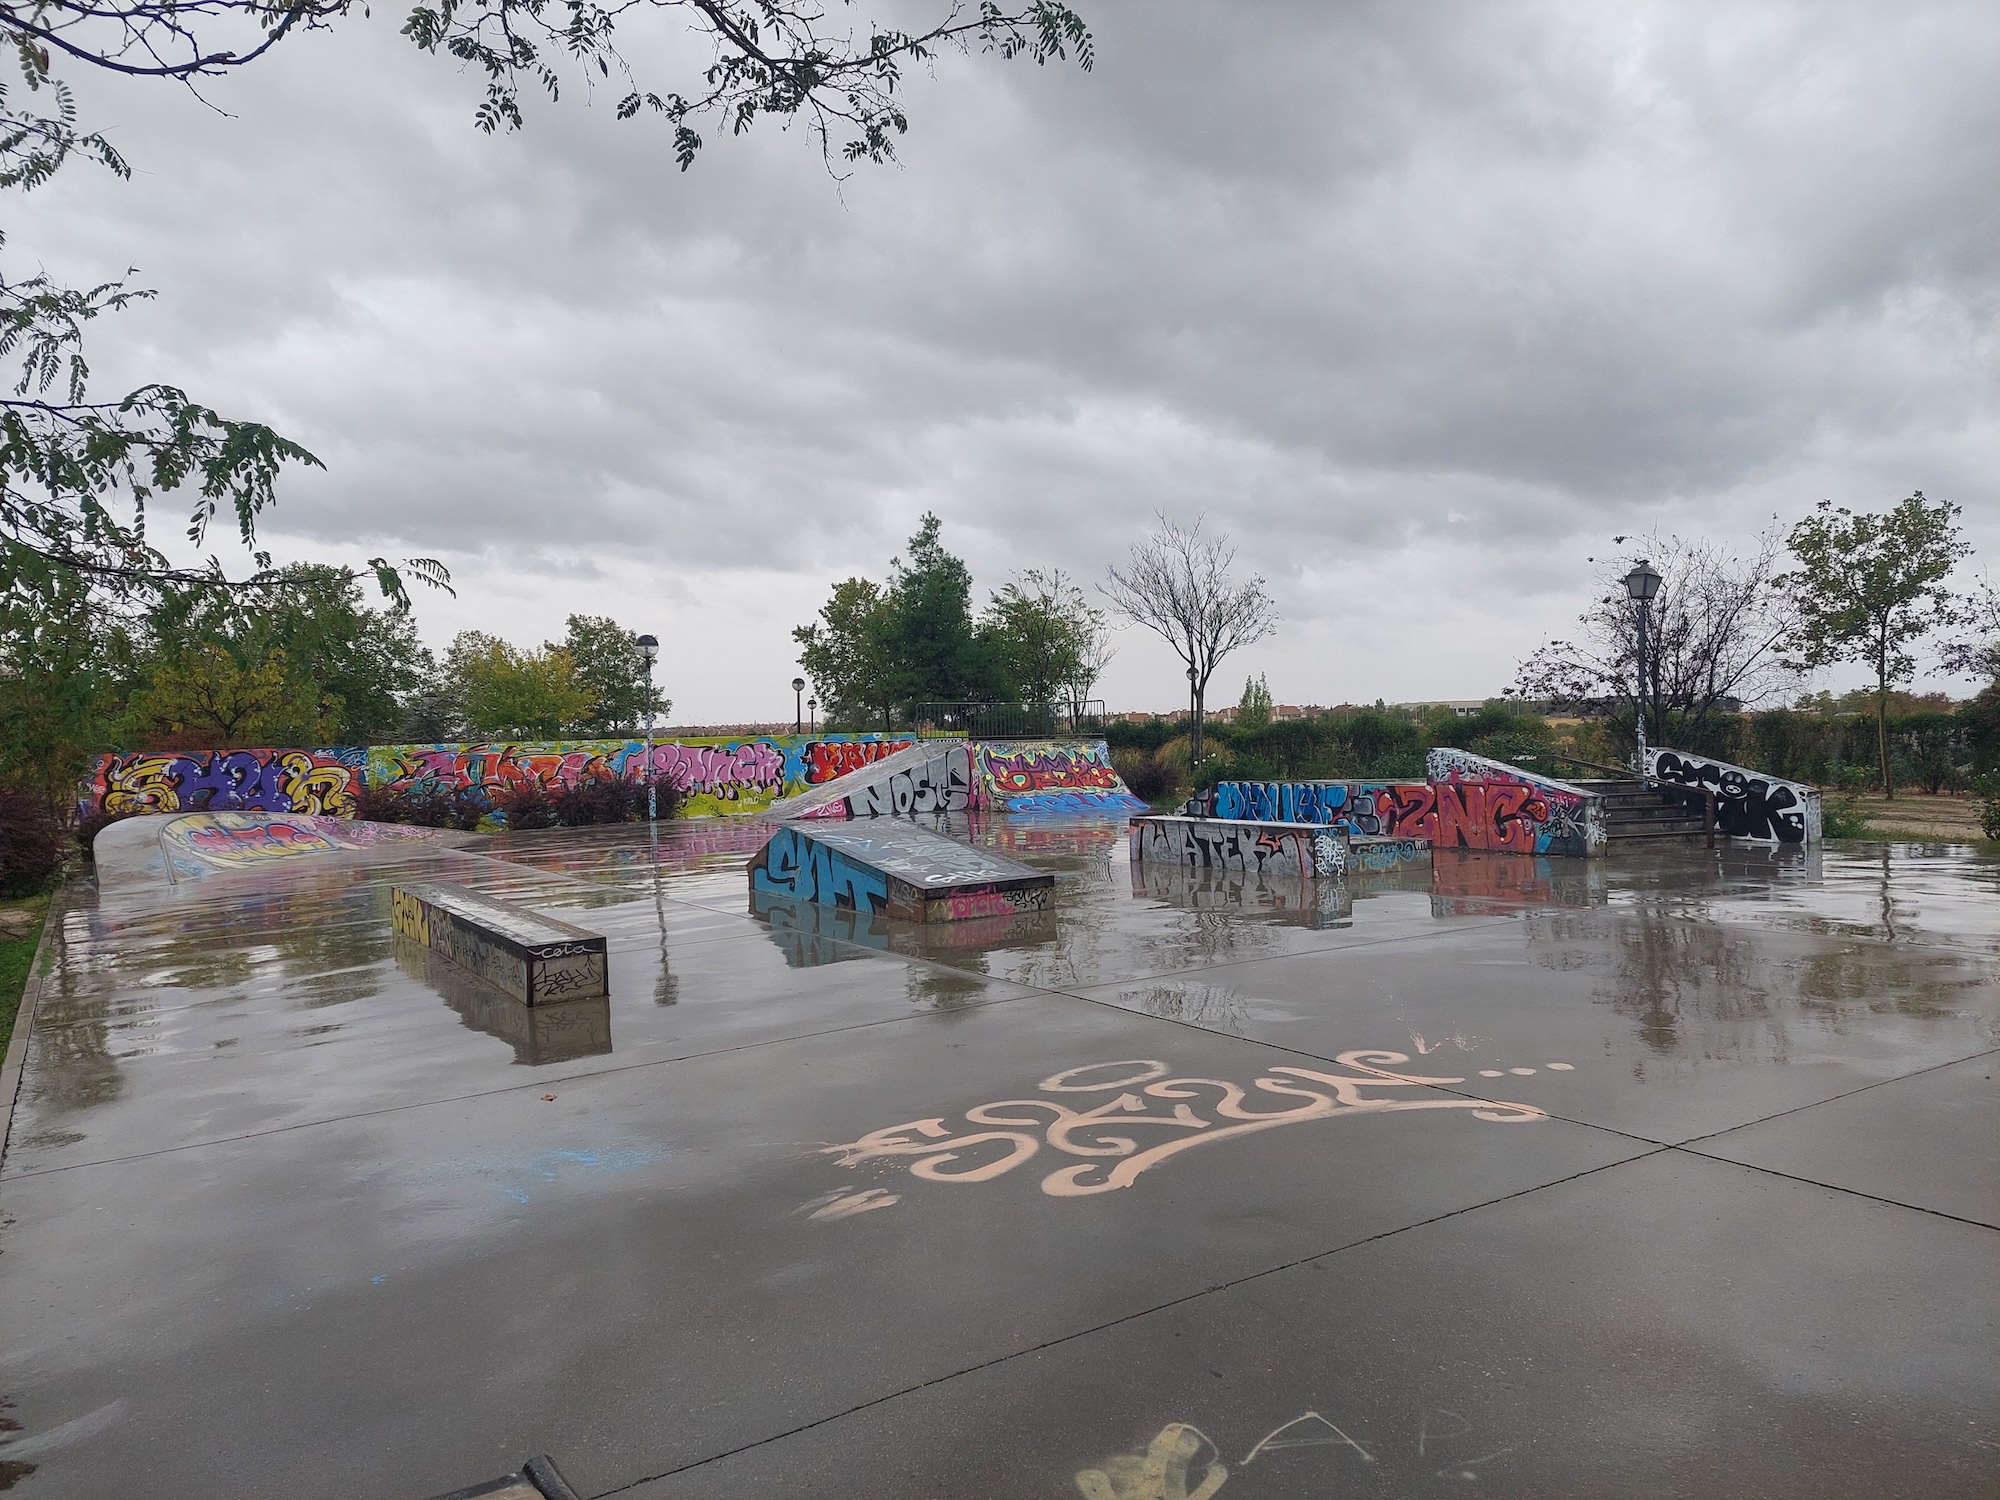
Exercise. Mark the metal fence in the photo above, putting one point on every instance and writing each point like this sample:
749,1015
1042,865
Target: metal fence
1003,721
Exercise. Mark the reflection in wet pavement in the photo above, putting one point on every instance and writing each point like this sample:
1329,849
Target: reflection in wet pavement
260,1039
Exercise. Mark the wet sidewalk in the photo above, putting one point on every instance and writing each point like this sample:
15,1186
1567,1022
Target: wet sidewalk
1677,1174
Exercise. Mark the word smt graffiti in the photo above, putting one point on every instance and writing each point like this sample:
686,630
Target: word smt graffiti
1257,848
1099,1148
1748,804
287,781
1487,804
805,869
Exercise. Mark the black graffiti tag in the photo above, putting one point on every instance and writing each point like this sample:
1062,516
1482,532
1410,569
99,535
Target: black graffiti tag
1747,806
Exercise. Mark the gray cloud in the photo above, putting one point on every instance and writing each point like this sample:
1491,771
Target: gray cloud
1420,302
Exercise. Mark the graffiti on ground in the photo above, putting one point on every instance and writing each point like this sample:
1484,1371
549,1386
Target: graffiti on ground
1099,1147
1748,804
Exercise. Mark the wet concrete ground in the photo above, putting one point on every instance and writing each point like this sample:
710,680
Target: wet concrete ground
1679,1175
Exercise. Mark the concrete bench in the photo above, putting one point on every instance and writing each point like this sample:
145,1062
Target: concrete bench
522,953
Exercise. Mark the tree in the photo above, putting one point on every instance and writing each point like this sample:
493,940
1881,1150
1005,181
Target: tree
1042,628
1977,653
65,675
846,653
935,651
513,694
78,474
1253,709
204,696
1178,586
1869,587
1713,642
611,666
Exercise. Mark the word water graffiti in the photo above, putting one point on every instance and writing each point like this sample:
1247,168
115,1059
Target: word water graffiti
1181,1462
285,781
994,1139
807,870
941,784
1304,850
1747,805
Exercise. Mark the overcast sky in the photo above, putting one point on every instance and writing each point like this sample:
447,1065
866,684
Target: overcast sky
1421,303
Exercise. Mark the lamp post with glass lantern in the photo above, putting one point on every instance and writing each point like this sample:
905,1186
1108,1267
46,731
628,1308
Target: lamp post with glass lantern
798,716
1642,584
649,647
812,709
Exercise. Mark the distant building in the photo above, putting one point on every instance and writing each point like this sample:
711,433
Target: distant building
1465,708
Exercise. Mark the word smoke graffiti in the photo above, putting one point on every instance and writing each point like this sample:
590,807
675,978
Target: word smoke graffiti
1099,1149
1300,849
1748,804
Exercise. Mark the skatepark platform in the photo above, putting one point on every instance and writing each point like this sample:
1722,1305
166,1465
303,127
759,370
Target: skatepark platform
1304,850
1500,1175
897,869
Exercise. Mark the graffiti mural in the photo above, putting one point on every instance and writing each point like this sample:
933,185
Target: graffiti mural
805,869
940,783
1376,809
1099,1149
1487,804
1748,804
1300,849
713,776
897,870
162,781
1050,777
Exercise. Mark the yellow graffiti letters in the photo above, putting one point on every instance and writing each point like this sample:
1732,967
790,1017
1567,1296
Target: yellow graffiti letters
1160,1473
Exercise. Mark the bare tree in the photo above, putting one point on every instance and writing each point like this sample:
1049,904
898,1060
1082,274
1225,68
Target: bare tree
1094,653
1178,586
1977,654
1713,640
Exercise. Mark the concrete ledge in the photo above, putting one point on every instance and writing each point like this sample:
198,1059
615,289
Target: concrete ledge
894,869
1302,849
522,953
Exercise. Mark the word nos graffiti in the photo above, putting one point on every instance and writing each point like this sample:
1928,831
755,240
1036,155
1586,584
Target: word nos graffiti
1045,776
163,781
1099,1149
940,783
1305,850
1488,804
1748,804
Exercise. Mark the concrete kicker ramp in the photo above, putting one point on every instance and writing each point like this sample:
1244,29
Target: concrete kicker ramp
894,870
929,776
1305,850
167,848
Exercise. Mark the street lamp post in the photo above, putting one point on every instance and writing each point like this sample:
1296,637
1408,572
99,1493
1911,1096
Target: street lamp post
798,718
649,647
812,708
1642,583
1194,730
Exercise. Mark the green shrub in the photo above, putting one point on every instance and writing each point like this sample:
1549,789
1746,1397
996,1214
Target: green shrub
31,844
1840,817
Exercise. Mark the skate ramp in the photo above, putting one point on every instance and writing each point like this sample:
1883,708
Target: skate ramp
930,776
170,848
895,870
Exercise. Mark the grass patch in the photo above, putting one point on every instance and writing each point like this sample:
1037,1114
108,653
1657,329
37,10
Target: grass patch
17,956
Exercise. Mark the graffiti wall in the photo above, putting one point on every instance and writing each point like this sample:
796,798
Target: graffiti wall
941,783
1050,776
1295,849
1748,804
1393,810
1487,804
713,776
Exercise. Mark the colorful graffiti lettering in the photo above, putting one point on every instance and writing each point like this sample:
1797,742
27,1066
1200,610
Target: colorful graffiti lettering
807,870
720,770
292,781
1748,804
1388,809
826,759
943,783
1049,777
1487,804
1257,848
